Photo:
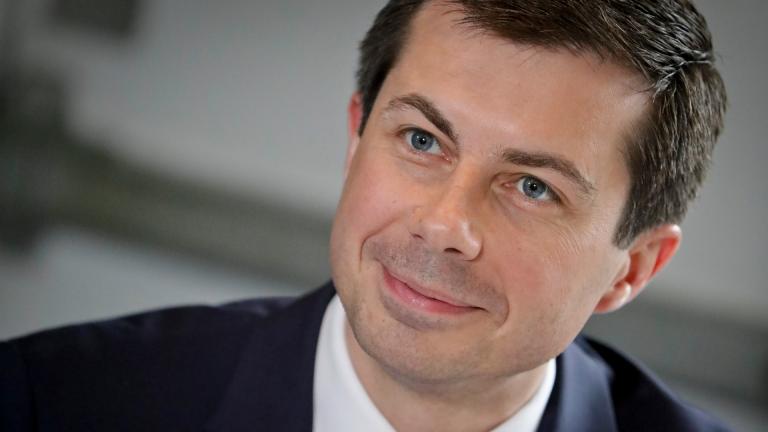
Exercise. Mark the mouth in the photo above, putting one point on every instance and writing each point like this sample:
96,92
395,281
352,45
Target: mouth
423,299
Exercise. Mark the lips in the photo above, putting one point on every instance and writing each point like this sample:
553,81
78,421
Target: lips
423,299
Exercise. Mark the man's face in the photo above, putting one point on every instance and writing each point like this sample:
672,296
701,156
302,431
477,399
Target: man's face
474,234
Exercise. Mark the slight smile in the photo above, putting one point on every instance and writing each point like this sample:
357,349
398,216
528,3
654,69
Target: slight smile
421,298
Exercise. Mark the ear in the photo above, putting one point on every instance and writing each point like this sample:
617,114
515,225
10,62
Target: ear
649,253
354,117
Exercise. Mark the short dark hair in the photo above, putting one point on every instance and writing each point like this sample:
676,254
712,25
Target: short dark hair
665,41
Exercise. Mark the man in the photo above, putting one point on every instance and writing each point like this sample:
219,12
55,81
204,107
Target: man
512,168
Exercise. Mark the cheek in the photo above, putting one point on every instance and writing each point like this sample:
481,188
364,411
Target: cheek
536,258
374,196
552,279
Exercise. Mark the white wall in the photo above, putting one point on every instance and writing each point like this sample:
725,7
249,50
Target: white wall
723,264
75,276
251,96
248,95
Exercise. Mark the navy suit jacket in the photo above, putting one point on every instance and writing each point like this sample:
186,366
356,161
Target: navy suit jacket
249,366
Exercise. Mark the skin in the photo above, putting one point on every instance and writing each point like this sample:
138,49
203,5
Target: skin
453,221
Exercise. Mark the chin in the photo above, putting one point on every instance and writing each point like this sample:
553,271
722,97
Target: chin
409,355
401,358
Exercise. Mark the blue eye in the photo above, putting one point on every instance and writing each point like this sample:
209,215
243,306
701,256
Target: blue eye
422,141
534,189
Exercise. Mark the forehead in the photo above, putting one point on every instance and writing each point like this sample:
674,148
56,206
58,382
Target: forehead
498,91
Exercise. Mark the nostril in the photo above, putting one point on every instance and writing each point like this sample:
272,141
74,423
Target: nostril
453,250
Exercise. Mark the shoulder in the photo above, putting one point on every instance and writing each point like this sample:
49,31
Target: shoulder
130,367
641,401
161,329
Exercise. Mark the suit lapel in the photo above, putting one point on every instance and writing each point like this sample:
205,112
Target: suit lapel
581,397
272,387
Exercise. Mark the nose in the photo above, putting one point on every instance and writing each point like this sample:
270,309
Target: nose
446,226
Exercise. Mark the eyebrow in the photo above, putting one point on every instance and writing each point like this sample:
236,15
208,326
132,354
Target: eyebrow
514,156
547,160
428,109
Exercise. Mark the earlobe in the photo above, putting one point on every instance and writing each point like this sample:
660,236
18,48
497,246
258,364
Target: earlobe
354,117
649,253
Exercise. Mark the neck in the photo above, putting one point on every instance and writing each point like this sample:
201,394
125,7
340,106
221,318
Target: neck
466,405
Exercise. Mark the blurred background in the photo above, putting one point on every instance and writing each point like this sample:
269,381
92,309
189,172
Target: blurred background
162,152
